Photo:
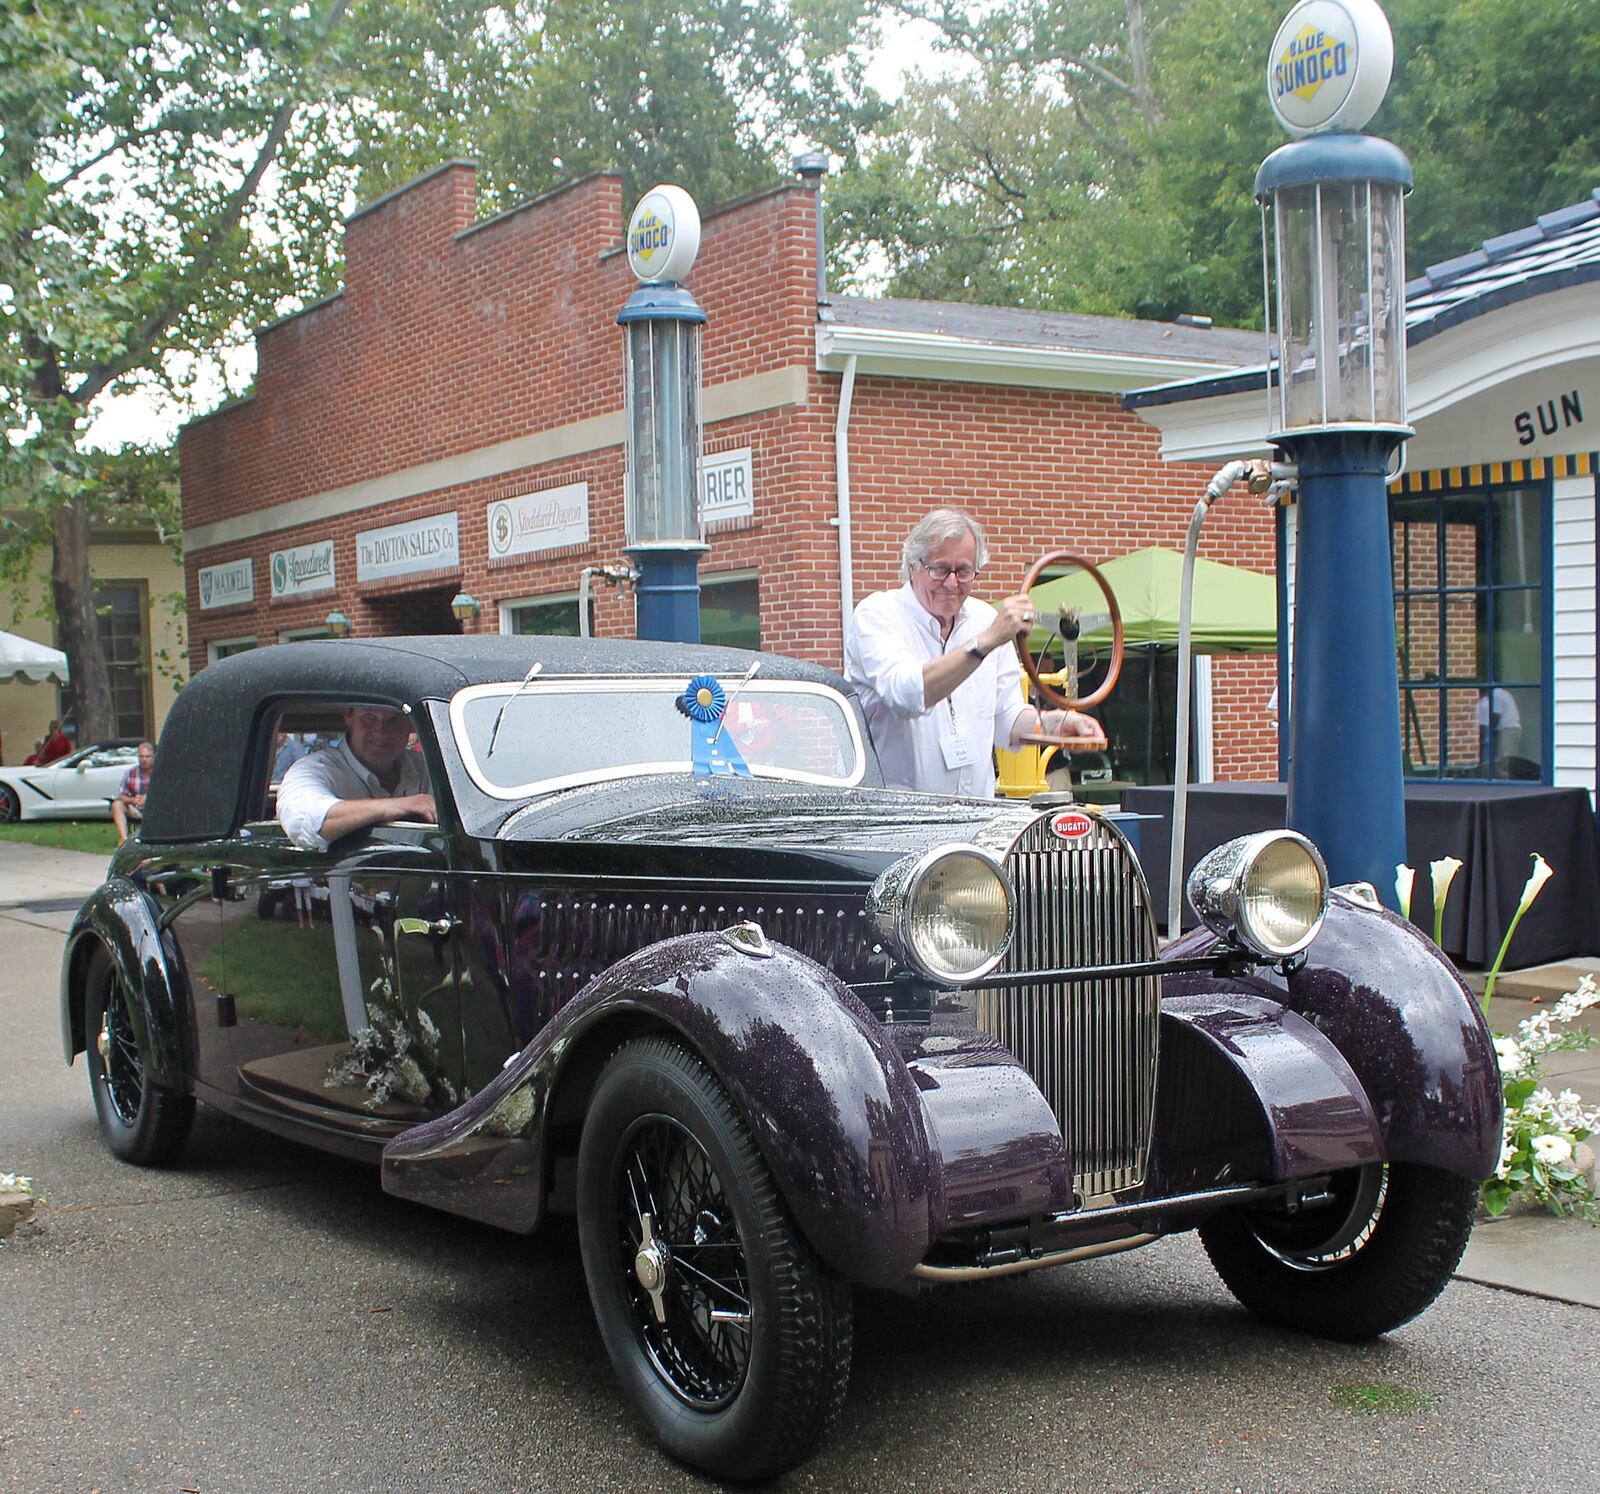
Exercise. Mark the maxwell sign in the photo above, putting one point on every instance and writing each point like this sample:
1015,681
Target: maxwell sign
431,544
547,520
226,585
303,569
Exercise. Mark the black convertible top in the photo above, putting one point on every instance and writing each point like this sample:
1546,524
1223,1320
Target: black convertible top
196,791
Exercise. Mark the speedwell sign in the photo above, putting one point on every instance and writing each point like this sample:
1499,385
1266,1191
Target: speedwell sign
302,570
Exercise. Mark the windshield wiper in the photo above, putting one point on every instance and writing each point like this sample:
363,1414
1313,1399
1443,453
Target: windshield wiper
527,680
733,695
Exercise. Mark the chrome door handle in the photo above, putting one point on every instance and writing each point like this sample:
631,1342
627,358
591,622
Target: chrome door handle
435,928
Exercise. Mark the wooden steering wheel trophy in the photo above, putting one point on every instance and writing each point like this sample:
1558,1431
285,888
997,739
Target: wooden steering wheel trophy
1048,691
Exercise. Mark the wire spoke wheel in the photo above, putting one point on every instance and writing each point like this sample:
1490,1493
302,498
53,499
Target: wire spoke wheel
728,1335
1369,1258
141,1119
675,1230
118,1048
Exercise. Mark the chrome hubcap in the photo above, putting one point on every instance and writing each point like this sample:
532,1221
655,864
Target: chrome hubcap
650,1267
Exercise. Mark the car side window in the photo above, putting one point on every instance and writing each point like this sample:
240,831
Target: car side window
290,733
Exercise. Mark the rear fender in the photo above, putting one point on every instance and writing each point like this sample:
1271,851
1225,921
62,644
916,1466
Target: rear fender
121,921
827,1099
1401,1017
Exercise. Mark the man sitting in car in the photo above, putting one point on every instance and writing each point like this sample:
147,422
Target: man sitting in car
367,779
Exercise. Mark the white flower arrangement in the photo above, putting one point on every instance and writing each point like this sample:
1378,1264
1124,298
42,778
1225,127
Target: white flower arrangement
12,1182
1539,1146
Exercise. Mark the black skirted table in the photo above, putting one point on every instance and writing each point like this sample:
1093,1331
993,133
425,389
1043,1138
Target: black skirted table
1493,828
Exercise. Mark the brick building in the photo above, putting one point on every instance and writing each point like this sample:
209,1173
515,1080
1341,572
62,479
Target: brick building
452,419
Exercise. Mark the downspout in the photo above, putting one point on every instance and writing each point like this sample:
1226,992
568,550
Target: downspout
841,473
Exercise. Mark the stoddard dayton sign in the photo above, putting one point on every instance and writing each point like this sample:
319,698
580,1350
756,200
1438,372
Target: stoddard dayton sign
547,520
227,585
431,544
302,570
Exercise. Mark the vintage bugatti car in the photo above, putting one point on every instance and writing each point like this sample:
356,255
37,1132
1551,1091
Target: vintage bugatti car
674,959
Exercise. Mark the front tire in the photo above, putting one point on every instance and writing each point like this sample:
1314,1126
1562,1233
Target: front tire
141,1122
730,1338
10,805
1370,1261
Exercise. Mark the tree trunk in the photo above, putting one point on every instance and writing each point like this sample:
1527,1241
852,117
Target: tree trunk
88,692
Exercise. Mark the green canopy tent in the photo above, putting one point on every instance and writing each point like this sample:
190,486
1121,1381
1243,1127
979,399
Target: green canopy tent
1235,611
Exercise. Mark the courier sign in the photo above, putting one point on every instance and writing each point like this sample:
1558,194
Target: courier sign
1330,65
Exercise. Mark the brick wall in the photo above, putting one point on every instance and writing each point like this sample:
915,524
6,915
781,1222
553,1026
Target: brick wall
450,336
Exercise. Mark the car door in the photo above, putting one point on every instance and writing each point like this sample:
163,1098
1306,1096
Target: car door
82,786
341,971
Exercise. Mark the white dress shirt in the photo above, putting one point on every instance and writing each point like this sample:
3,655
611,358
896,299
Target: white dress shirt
317,782
945,748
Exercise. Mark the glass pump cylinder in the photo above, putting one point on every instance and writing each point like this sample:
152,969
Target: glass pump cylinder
1333,231
661,325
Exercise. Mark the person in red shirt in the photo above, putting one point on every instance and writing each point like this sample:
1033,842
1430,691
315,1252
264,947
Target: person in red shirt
56,744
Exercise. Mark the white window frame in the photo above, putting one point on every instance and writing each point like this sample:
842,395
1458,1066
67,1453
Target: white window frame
549,599
215,644
300,635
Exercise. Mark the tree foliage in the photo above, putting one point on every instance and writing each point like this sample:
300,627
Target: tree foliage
1098,155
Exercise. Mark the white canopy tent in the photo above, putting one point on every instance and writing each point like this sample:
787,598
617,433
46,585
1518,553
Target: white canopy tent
29,662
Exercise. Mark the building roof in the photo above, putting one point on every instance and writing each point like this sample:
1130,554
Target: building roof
1009,325
1560,250
952,340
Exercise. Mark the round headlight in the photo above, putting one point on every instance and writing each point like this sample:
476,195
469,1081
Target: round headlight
1268,892
948,913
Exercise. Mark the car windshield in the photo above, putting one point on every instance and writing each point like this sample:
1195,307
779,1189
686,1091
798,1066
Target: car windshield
560,732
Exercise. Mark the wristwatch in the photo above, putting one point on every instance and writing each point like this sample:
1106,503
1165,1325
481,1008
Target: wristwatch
977,651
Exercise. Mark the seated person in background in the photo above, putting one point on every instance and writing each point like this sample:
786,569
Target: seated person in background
367,779
129,803
56,744
291,747
32,759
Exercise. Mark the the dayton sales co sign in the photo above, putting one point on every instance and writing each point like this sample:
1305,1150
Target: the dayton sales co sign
431,544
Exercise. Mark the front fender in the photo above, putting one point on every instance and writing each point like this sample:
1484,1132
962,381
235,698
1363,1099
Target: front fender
120,919
1403,1019
827,1099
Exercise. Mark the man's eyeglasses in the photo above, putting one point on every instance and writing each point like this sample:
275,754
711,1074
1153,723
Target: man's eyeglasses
940,572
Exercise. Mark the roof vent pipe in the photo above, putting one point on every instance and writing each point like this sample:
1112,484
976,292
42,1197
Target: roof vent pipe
812,166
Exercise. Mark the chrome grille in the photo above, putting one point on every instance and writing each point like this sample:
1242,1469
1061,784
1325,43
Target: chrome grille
1089,1045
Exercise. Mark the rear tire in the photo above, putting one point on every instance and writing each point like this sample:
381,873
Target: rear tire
140,1121
1370,1262
679,1221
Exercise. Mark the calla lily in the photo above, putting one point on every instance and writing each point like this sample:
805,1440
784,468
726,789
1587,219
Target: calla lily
1540,874
1444,873
1405,880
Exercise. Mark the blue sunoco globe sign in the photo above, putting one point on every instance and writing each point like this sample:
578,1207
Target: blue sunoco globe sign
663,235
1330,65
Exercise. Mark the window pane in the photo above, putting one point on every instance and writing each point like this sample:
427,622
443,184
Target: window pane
1417,636
1462,617
1419,732
1517,514
1414,529
730,613
559,619
119,610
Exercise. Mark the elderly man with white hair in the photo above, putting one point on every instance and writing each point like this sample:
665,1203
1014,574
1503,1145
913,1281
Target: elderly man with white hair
935,669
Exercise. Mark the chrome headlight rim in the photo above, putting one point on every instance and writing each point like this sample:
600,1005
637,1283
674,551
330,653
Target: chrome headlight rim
894,896
1215,892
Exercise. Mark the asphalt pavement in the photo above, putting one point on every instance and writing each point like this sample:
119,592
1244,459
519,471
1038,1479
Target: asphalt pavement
264,1318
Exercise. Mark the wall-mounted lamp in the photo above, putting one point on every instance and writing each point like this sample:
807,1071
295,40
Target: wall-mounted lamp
465,606
338,624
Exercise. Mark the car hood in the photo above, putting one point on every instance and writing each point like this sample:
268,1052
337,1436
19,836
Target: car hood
758,814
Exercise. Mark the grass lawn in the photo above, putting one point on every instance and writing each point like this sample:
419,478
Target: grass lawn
97,836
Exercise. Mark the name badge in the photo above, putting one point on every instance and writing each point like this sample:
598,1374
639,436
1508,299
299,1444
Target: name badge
953,742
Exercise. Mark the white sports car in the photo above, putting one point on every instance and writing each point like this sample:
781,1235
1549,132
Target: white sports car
79,786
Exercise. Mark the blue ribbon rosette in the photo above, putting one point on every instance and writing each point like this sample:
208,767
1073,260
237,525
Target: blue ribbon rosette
712,750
